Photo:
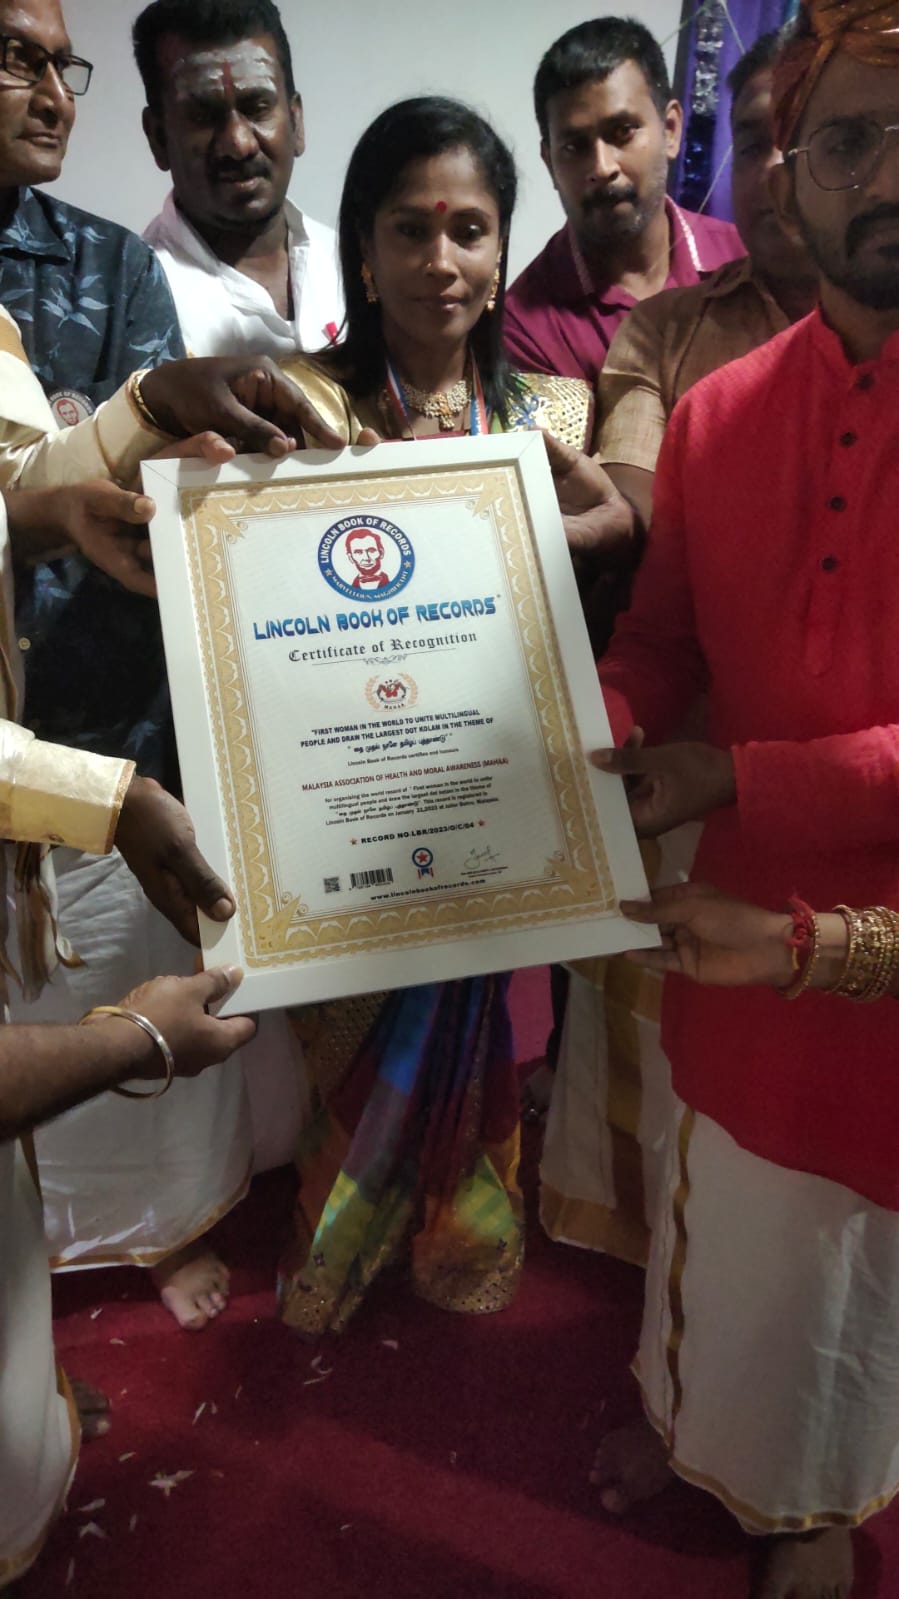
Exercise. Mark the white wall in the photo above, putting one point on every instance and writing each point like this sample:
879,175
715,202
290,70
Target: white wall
351,59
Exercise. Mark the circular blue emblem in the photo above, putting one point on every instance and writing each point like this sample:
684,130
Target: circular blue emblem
423,858
366,558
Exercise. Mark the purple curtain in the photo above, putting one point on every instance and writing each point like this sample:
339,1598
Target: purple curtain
708,50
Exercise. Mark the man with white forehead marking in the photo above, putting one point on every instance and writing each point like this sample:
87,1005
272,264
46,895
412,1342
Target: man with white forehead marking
249,272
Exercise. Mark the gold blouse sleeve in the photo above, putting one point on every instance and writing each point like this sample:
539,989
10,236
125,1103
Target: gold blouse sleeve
564,406
330,400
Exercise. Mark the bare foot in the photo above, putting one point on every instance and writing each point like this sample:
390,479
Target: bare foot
630,1465
193,1284
811,1565
92,1408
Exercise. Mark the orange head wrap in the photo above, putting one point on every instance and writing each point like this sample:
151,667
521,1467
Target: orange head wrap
866,29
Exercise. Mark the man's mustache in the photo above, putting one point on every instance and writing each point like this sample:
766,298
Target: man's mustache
600,199
241,170
859,227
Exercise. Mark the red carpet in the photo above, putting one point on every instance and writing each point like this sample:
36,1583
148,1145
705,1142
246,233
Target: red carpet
422,1456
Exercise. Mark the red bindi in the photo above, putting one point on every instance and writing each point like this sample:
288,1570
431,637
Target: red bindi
440,206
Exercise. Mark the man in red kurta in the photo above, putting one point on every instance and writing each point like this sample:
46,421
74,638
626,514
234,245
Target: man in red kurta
769,1361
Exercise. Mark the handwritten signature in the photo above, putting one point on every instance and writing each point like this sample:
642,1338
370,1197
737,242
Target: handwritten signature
481,857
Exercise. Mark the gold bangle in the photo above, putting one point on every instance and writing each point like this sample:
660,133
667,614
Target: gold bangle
872,959
139,404
153,1032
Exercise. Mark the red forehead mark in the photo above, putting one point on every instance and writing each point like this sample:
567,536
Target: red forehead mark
440,206
228,77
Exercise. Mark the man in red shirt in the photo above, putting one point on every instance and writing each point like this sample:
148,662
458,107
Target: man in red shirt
768,1361
608,129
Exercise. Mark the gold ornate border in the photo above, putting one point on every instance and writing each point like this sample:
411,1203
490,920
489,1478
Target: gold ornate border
276,926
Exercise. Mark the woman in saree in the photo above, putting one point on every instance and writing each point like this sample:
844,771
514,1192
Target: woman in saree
412,1151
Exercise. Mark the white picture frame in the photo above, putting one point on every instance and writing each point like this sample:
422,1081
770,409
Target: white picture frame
303,751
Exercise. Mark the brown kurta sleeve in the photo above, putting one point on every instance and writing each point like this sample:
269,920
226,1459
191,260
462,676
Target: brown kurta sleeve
631,411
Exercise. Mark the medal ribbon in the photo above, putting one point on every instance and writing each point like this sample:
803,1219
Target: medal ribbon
479,421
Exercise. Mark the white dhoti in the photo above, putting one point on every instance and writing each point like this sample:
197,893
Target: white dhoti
126,1180
768,1356
612,1101
39,1431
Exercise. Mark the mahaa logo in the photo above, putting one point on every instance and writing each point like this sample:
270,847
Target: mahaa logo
366,558
391,693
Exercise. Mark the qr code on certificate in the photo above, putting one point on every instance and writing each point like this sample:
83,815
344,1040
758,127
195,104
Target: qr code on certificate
331,885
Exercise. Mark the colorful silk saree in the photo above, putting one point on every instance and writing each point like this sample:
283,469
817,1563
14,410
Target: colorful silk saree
412,1150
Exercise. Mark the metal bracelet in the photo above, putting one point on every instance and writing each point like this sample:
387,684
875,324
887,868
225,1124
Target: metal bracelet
140,405
153,1032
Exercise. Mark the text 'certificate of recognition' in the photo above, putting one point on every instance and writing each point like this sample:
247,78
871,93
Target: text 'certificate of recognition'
383,695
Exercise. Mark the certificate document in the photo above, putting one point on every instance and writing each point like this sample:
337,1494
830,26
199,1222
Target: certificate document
383,697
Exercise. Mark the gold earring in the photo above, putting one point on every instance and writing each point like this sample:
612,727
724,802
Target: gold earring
371,293
494,290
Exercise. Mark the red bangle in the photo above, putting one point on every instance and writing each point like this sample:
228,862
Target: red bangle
803,946
803,933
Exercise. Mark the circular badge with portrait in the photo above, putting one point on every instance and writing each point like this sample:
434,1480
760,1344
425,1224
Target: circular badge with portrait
366,558
70,406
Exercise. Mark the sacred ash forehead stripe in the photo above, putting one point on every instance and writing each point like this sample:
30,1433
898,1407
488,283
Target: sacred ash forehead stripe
243,65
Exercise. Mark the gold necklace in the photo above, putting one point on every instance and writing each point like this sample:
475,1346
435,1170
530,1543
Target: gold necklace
443,405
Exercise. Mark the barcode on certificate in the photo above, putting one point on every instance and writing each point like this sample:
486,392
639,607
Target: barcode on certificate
372,879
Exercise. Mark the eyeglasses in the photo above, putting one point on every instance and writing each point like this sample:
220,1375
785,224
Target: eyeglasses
28,62
845,153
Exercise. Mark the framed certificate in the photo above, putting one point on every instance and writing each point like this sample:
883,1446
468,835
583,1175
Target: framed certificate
383,694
